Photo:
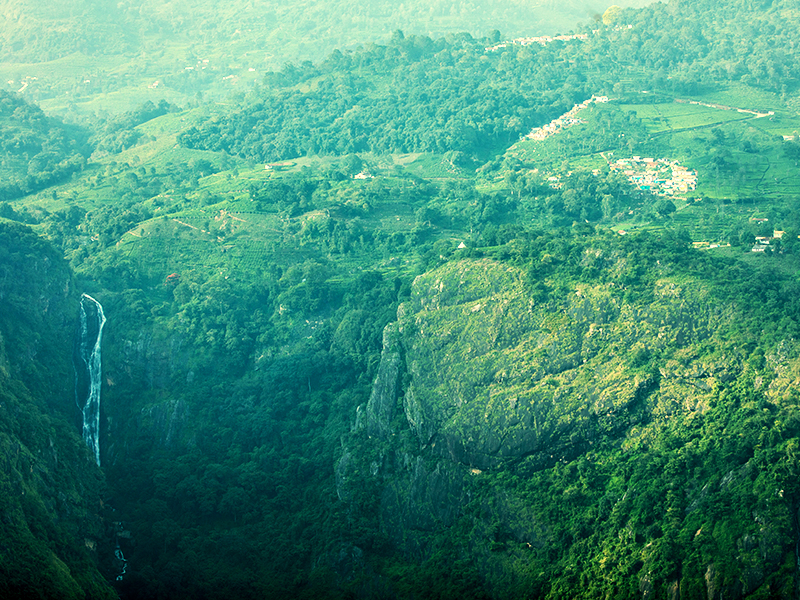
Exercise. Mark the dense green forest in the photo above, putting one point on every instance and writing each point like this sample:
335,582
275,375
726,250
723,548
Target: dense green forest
415,95
37,151
435,315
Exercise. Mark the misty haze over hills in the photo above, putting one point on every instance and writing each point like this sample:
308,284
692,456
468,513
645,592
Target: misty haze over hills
370,300
116,45
36,32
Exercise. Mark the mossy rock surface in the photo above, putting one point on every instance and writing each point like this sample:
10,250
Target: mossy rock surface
633,434
496,375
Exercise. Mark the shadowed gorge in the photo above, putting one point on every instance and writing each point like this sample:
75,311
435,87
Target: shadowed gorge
51,490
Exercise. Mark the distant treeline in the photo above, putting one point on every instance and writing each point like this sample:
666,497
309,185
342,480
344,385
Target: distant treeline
452,94
414,95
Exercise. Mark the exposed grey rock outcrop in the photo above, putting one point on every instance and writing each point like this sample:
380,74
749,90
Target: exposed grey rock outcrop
382,406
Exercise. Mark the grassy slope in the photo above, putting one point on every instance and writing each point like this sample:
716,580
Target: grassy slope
763,176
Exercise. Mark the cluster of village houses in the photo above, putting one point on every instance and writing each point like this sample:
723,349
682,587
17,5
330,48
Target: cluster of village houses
546,39
542,40
26,82
661,176
763,241
568,119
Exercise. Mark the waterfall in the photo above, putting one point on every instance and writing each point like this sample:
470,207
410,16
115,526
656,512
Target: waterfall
92,322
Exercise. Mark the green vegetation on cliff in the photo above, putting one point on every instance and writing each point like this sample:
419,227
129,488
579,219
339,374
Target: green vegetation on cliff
423,351
51,530
580,437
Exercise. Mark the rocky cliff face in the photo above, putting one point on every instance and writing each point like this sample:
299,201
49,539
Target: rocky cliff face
493,375
497,385
143,367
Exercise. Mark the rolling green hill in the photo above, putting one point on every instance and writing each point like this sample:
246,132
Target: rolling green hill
435,317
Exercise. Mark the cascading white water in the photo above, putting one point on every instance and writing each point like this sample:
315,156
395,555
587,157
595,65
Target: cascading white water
123,561
91,337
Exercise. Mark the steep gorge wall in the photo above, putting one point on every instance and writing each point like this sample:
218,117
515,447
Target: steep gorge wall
52,534
480,385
